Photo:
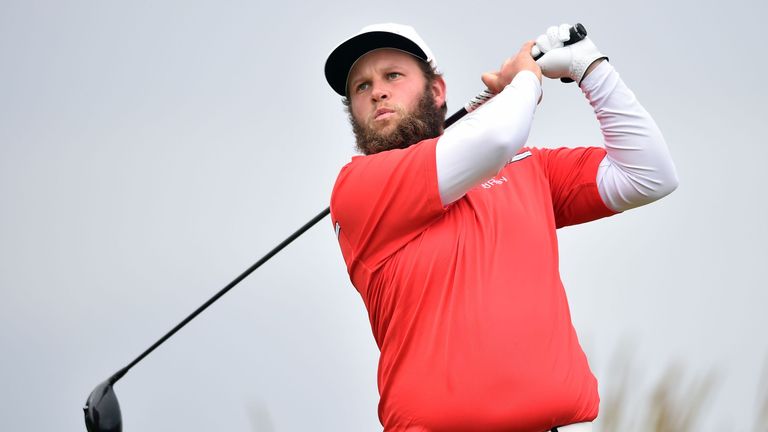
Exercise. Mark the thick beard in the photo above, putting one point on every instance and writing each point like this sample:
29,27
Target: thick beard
424,123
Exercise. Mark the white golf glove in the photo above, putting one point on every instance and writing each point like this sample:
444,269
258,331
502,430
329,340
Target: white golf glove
565,62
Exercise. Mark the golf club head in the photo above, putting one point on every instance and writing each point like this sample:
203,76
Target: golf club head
102,411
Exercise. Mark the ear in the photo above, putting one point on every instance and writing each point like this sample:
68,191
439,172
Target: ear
438,90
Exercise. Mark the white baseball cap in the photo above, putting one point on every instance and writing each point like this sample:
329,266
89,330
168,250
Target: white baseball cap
373,37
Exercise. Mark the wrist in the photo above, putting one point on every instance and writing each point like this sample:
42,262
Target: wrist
592,66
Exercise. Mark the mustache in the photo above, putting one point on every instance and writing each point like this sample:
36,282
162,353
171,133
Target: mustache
395,108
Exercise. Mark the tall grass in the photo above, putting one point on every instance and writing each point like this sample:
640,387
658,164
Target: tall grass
674,403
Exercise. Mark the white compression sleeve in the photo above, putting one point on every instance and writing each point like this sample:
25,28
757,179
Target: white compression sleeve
637,168
476,148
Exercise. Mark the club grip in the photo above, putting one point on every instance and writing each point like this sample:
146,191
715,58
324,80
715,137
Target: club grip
577,32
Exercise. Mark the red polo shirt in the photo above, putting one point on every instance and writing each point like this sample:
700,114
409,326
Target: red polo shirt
465,301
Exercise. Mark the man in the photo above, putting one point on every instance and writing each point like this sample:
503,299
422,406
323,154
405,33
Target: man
450,237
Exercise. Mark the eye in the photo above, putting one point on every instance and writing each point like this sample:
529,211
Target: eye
394,75
363,86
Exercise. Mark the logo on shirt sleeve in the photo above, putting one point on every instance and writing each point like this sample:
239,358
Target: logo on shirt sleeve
497,181
337,229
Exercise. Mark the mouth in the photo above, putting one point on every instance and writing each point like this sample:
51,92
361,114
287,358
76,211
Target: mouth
383,114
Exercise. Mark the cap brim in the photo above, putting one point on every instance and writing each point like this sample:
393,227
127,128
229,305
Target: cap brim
342,59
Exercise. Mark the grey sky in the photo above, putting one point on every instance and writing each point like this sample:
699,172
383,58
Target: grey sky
151,151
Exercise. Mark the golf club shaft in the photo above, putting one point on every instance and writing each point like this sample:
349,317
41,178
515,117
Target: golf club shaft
577,33
119,374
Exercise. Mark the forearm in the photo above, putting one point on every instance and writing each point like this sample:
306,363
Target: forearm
638,167
476,148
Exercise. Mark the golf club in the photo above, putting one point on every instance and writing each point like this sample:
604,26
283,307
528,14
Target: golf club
577,32
102,410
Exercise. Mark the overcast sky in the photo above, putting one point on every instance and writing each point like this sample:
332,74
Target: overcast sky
150,151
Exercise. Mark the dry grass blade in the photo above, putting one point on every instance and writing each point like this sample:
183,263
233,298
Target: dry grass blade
675,408
672,405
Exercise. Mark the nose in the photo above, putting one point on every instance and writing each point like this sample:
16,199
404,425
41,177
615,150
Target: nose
380,91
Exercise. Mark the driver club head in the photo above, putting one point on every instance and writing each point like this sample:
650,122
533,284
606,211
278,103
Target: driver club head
102,411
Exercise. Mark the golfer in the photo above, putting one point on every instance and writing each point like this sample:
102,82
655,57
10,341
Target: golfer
449,236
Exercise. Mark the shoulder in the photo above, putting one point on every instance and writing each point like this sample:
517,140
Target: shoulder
389,161
388,169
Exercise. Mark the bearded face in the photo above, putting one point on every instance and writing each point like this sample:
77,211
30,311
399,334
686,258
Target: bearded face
425,122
